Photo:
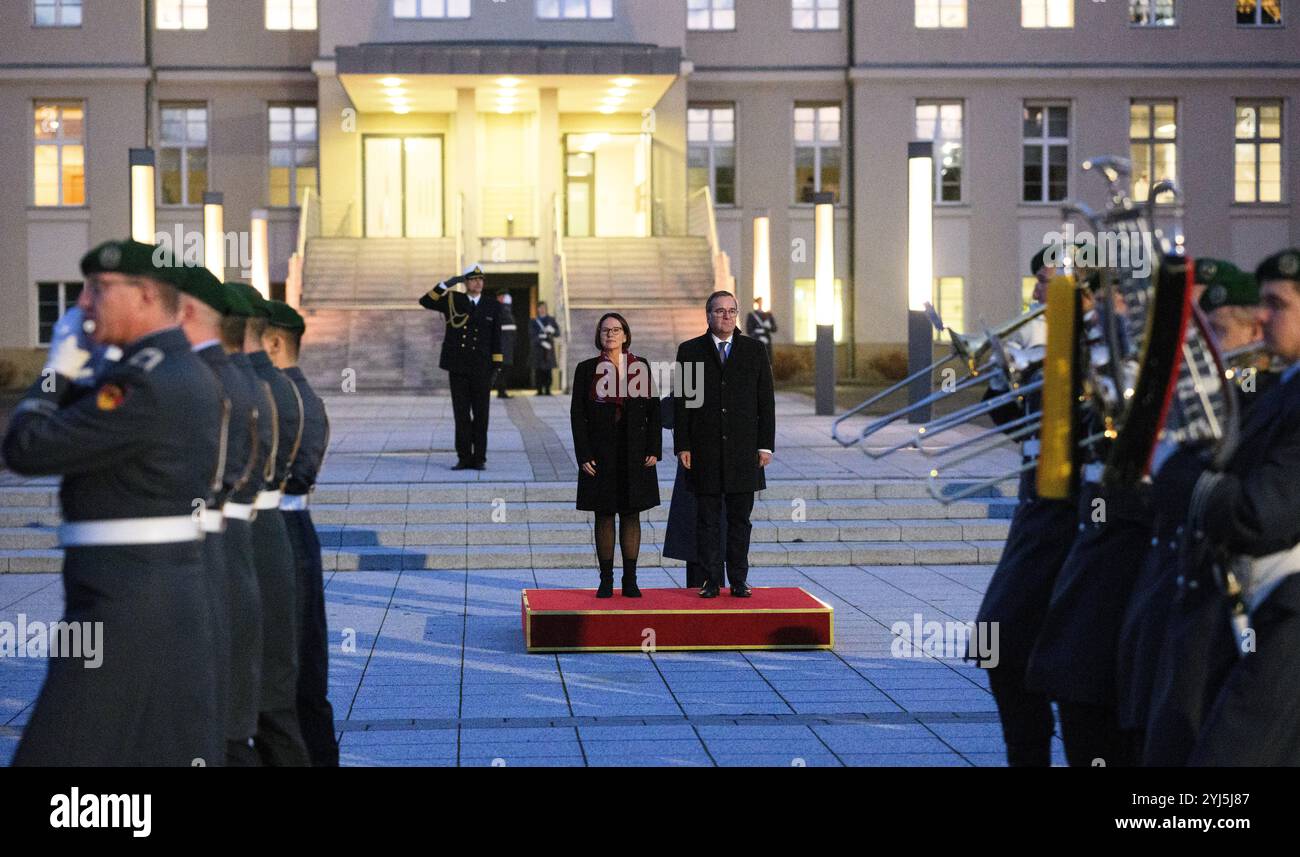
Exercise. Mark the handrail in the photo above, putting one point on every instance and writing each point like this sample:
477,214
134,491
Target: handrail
561,290
721,271
460,232
310,203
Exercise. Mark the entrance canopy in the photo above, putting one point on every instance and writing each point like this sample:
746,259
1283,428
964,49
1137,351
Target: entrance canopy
588,78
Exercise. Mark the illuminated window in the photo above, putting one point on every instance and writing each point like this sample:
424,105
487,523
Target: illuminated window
183,154
182,15
59,176
817,154
941,121
1259,13
1153,146
805,310
431,8
1046,152
711,14
711,150
291,14
575,9
294,153
950,301
1259,151
1042,14
52,301
1152,13
815,14
940,14
1027,285
56,13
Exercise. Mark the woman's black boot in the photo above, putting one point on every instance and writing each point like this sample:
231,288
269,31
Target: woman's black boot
606,589
630,589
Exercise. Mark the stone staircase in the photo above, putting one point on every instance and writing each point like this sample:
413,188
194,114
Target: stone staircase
453,526
393,272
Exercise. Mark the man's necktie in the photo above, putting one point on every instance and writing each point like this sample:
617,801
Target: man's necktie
722,353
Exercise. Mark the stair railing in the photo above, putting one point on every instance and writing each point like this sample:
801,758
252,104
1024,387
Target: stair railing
702,216
561,291
460,232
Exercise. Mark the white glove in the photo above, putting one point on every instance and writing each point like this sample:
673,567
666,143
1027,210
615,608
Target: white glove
69,347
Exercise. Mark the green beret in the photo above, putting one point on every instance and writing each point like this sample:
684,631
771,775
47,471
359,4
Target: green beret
237,303
1282,266
199,282
1215,272
1230,288
133,259
285,316
255,300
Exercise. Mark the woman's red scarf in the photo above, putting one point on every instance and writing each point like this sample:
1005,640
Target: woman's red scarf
610,377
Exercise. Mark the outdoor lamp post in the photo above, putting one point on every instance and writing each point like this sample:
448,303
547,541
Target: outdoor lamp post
920,270
214,234
763,260
824,300
260,252
142,163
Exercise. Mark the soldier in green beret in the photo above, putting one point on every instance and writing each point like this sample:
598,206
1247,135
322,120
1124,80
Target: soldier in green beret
283,341
137,452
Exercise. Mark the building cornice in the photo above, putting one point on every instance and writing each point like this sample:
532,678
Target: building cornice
198,74
1063,70
89,72
769,74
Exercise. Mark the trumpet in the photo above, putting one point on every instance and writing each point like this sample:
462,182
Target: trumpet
976,350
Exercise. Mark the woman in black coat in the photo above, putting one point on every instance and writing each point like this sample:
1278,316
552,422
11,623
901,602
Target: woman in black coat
617,441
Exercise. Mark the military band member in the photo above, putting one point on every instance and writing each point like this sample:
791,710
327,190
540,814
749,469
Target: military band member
509,332
544,334
1245,517
237,604
137,452
283,340
760,325
471,355
279,740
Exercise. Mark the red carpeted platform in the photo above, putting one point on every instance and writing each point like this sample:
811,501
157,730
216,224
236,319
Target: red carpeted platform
574,620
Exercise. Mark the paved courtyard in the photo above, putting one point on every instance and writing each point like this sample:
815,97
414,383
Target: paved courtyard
427,664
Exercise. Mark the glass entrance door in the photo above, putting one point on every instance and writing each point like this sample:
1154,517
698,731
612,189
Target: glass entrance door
403,187
607,185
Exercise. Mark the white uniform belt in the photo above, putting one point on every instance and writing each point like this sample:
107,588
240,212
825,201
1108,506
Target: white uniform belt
212,521
130,531
1267,573
267,500
293,503
1092,473
239,511
1031,448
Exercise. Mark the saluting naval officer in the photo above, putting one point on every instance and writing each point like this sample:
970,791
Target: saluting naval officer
1246,515
283,340
279,740
471,355
136,452
227,551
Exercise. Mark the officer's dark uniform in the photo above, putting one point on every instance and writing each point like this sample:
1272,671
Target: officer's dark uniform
1247,517
471,352
279,739
315,715
227,556
135,452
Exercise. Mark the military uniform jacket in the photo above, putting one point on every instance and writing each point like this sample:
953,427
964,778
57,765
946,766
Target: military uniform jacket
736,416
238,461
288,412
542,332
472,345
264,431
142,444
315,436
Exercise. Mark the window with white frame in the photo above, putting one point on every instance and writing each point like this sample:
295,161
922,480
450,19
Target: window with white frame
941,122
710,14
1046,152
291,14
575,9
711,150
815,14
56,13
294,153
183,154
817,151
1258,158
1041,14
182,15
59,165
1153,146
52,301
805,310
431,8
1152,13
1259,13
940,14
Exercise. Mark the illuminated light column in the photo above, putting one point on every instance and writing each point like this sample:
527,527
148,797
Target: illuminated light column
763,260
920,270
143,200
826,309
260,253
214,234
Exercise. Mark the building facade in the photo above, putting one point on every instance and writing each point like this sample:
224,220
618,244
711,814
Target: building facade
568,143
